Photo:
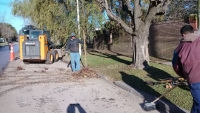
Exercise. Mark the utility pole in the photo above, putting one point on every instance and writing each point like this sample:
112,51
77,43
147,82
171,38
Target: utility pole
78,20
84,34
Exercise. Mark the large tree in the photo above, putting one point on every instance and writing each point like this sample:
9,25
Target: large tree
140,14
8,31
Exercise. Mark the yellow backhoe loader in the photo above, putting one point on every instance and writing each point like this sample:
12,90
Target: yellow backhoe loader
37,47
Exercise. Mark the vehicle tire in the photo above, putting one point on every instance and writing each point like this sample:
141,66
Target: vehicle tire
50,57
56,55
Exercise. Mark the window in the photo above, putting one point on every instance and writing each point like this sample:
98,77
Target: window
35,34
25,32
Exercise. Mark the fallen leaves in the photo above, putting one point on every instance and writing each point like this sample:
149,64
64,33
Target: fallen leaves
85,73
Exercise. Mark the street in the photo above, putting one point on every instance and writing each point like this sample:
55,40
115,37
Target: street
5,55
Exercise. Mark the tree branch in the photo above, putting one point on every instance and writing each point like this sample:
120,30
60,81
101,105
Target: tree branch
162,7
137,14
129,6
113,17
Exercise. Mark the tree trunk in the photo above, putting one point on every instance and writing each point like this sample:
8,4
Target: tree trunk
140,59
85,48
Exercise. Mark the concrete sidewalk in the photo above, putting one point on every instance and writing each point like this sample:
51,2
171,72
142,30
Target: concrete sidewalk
164,106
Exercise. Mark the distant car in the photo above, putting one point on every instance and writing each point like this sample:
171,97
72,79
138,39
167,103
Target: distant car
2,40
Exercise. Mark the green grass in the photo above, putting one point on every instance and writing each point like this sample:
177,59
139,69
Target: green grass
117,68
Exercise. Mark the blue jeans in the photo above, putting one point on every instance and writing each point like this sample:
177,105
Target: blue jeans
195,91
75,61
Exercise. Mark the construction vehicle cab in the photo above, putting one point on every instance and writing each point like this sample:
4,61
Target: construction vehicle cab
37,47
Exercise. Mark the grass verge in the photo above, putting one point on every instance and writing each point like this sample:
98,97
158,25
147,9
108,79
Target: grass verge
117,68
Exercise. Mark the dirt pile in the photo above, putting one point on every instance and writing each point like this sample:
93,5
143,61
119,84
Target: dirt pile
85,73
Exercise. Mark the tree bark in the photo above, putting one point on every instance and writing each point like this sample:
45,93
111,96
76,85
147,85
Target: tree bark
140,57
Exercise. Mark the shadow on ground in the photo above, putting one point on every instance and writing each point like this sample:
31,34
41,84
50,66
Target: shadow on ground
161,105
135,82
72,108
158,75
112,56
154,73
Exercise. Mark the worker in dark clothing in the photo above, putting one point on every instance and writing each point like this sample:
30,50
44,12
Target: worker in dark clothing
73,47
186,62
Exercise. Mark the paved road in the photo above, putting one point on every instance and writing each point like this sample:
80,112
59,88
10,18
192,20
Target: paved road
41,88
5,55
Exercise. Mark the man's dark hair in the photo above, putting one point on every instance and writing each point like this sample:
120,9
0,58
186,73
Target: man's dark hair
187,29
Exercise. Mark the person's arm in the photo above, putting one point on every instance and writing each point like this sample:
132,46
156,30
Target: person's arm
67,46
177,66
80,41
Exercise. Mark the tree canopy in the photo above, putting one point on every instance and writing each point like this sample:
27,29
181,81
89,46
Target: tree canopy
7,31
59,16
180,9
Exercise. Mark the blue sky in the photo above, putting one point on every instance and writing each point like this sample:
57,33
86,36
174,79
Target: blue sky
6,13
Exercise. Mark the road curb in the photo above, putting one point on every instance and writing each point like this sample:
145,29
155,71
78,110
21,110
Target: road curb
163,105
